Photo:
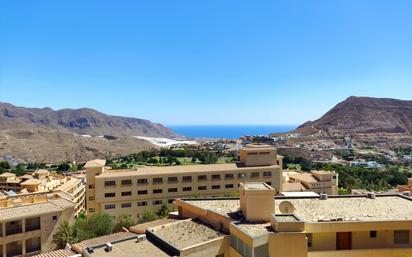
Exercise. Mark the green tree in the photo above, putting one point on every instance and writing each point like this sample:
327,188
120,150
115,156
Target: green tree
101,224
147,216
65,234
63,167
163,211
125,221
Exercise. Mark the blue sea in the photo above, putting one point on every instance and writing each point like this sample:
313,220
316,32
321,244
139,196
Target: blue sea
228,131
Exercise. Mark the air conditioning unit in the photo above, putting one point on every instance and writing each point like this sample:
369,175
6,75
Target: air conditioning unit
323,196
108,247
140,238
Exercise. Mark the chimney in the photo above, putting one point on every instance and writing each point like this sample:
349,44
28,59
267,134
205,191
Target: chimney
257,201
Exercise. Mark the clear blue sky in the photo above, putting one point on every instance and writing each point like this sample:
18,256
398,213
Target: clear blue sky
204,62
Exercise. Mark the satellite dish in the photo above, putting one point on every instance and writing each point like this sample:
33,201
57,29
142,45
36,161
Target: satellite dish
286,207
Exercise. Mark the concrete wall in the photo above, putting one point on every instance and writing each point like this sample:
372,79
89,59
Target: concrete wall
288,245
364,253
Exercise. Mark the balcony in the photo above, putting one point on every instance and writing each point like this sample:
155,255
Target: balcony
13,227
32,224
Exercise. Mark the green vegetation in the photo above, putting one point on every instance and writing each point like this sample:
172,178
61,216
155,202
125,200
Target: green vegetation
167,157
100,224
22,169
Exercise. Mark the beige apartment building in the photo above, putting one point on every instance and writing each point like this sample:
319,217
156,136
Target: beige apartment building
28,222
318,181
260,224
119,192
42,181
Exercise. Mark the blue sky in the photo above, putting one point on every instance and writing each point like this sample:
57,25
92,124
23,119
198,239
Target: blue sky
204,62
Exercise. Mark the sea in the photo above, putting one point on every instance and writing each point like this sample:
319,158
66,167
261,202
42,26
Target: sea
228,131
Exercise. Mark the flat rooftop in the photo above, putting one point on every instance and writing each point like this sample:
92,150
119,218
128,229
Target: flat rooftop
312,209
255,229
186,233
57,253
130,248
180,169
94,242
34,209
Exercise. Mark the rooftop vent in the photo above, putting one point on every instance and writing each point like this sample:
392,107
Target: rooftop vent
108,247
371,195
90,249
140,238
323,196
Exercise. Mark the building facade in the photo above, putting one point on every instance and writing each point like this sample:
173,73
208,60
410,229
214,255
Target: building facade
132,192
318,181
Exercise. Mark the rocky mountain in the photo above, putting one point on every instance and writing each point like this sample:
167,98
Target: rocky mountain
364,115
46,135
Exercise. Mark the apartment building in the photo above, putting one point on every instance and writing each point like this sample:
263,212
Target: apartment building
42,181
318,181
27,223
260,224
119,192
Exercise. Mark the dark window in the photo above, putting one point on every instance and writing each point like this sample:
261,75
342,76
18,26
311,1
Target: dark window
126,182
91,198
269,183
215,186
110,183
309,236
126,205
157,202
254,174
202,177
143,203
110,206
92,210
172,190
107,195
54,218
373,234
170,201
201,188
157,180
267,174
172,179
185,189
187,178
142,192
126,193
229,176
157,191
401,237
142,181
252,153
229,186
216,176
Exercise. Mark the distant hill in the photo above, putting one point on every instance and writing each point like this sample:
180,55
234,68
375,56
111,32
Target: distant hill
364,115
46,135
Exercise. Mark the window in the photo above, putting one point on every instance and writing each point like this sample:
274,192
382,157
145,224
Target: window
142,203
92,210
91,186
107,195
91,198
373,234
267,174
187,178
229,176
309,236
201,188
142,181
157,180
240,246
142,192
252,153
215,186
254,174
110,183
202,177
157,191
269,183
110,206
185,189
127,182
54,218
264,153
216,177
170,201
229,186
157,202
128,193
172,190
401,237
126,205
172,179
241,175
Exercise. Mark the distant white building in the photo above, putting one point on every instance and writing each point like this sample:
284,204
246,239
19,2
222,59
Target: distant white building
370,164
